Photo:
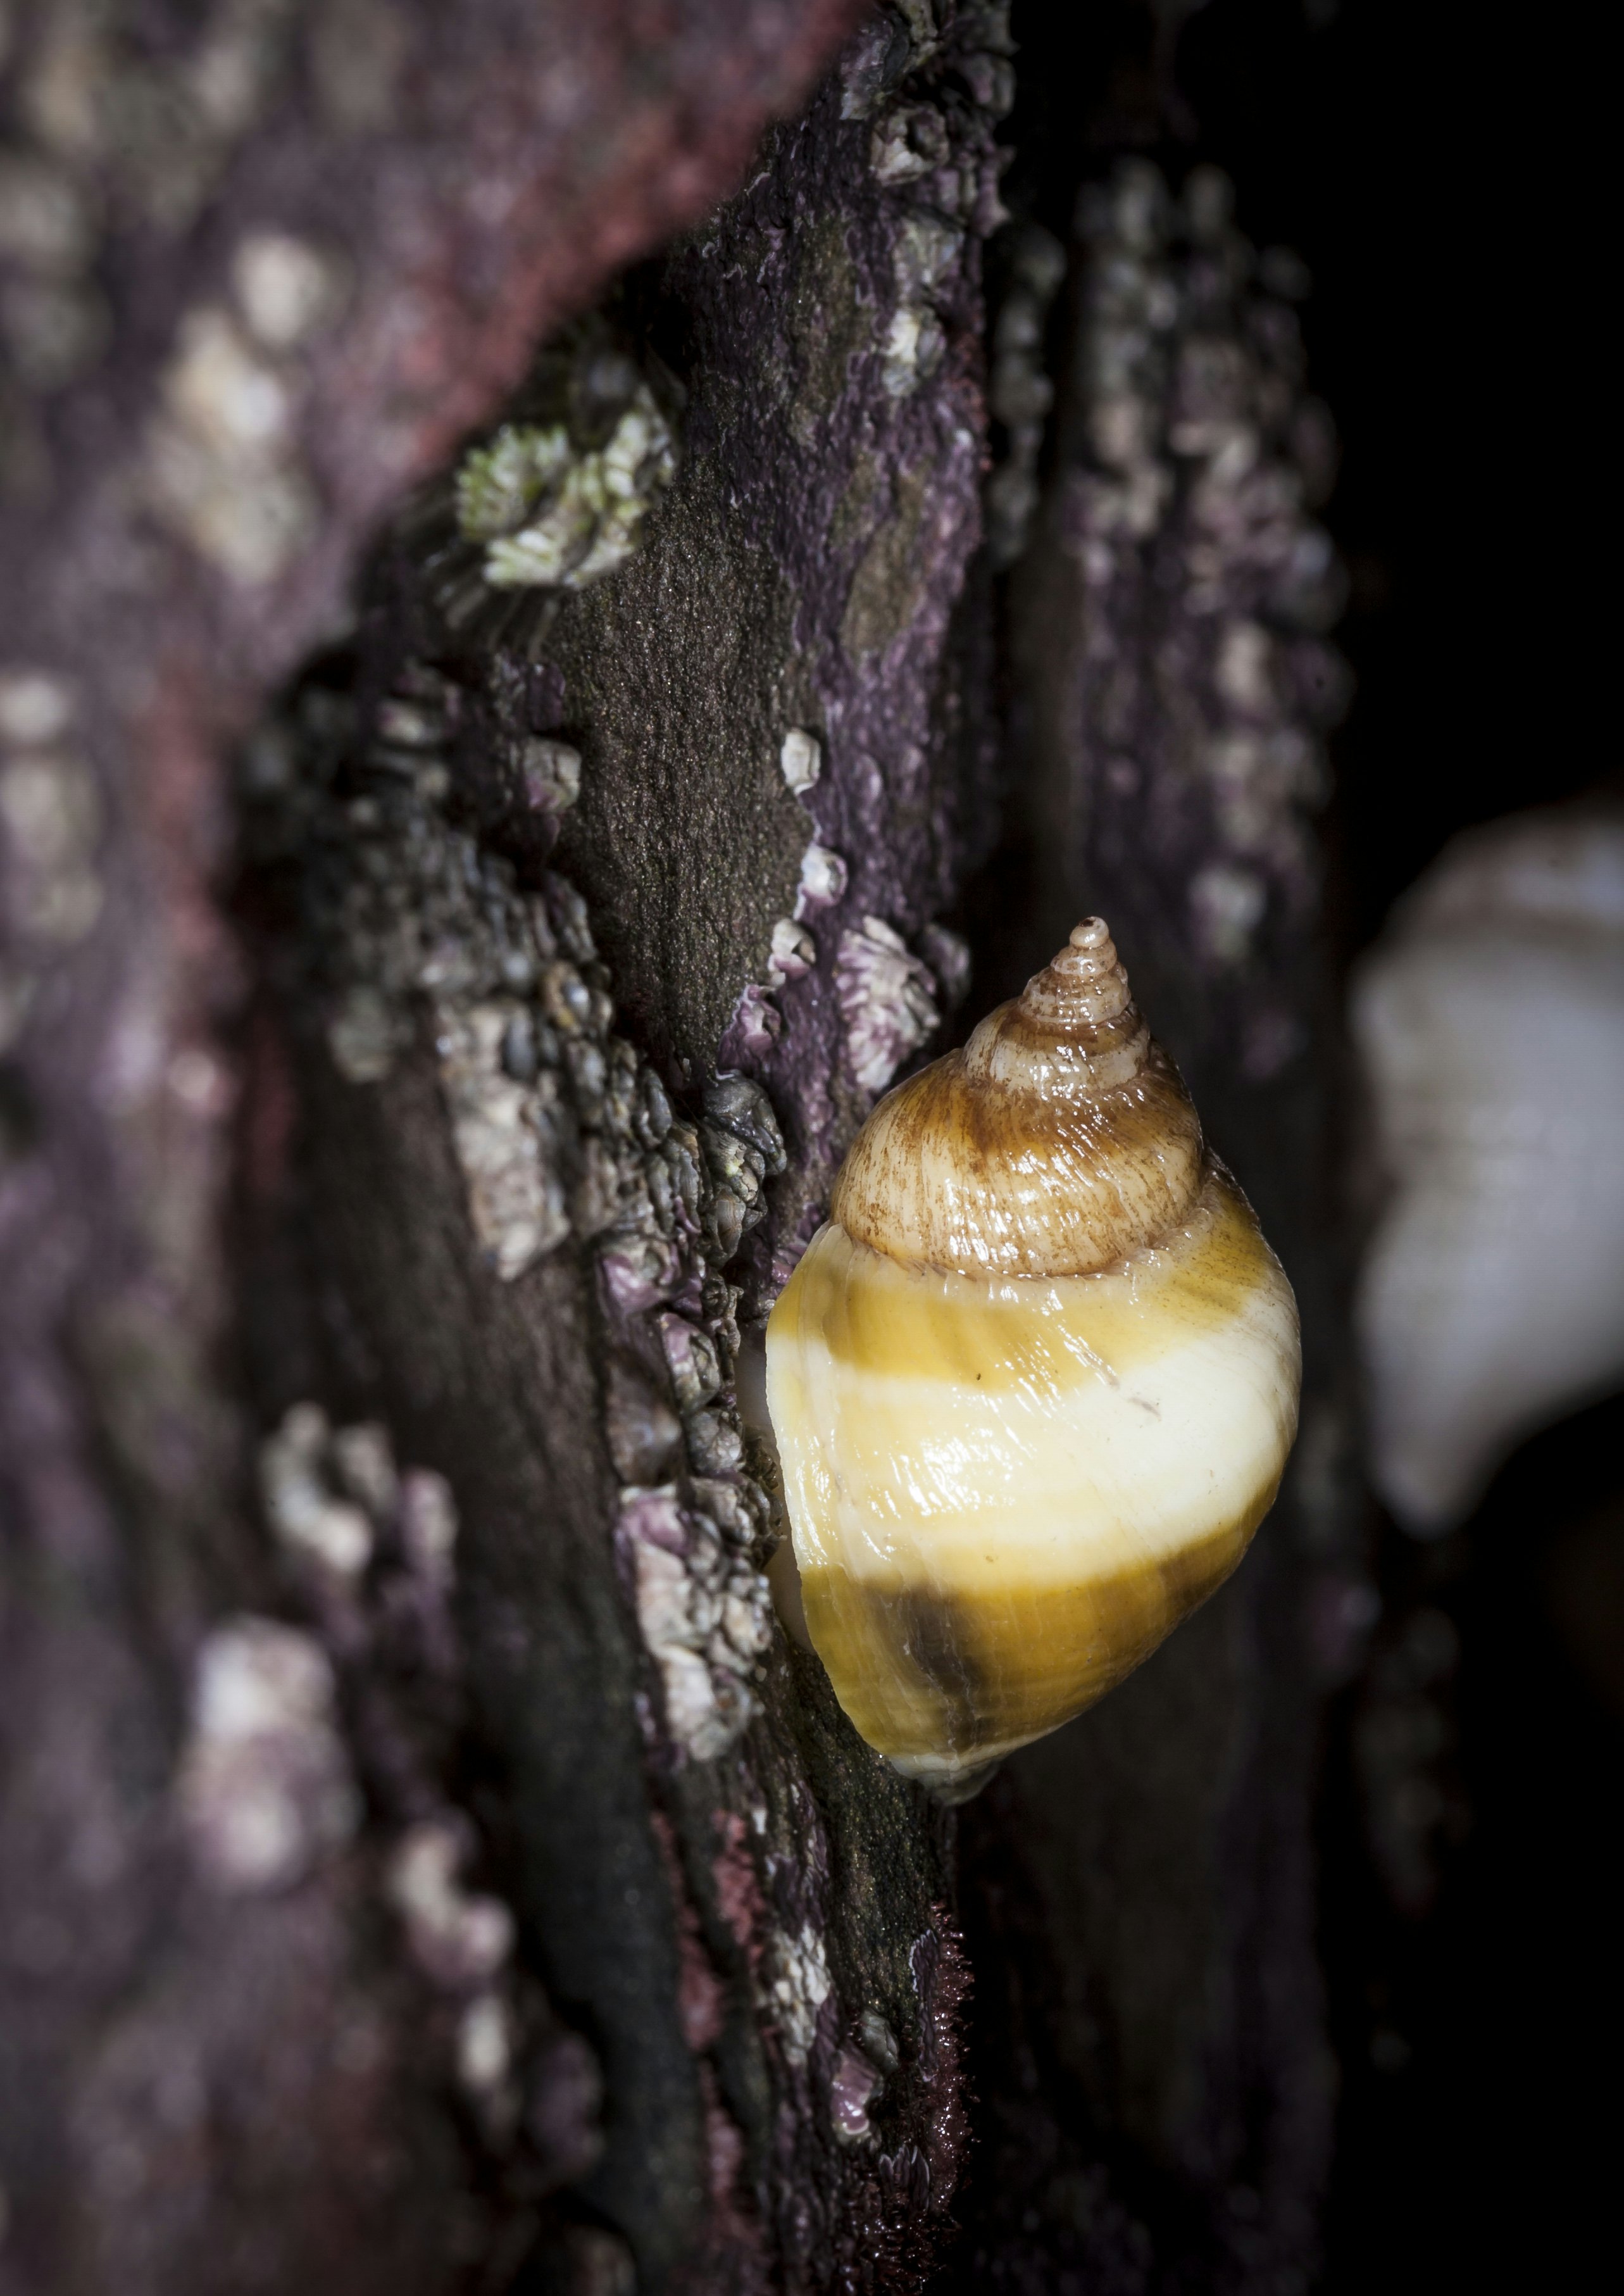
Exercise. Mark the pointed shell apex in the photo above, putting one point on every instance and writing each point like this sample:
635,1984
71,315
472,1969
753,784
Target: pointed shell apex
1059,1142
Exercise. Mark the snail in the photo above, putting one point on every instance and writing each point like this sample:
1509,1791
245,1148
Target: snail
1490,1023
1033,1383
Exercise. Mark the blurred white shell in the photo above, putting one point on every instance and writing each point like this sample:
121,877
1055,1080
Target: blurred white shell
1490,1023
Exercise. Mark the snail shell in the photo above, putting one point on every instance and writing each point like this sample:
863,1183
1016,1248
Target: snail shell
1490,1023
1033,1384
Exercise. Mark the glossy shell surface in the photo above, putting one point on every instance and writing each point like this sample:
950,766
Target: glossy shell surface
1027,1437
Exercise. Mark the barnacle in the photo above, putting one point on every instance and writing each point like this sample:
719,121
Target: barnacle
557,517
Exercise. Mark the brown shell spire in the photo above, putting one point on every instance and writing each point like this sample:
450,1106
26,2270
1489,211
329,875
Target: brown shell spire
1058,1142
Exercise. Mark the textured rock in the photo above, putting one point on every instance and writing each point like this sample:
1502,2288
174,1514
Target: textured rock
1140,1884
599,855
574,1068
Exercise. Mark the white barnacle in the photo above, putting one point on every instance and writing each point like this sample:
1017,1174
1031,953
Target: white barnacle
801,760
925,251
909,142
550,773
756,1020
458,1936
364,1034
499,485
887,998
701,1614
799,1983
223,460
265,1788
485,2044
286,289
554,515
793,952
504,1135
36,708
1226,905
51,818
822,878
315,1526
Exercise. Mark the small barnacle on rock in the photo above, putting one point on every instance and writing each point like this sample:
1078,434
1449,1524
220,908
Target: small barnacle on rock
51,821
502,1134
948,955
852,2088
1020,391
485,2044
458,1939
265,1787
428,1526
568,912
286,289
410,725
908,143
651,1119
739,1105
36,709
1226,905
331,1534
879,2042
732,1163
497,486
756,1023
550,773
46,223
822,878
798,1984
556,518
990,79
925,250
793,952
887,998
363,1461
644,1433
703,1613
874,63
223,459
801,760
365,1035
696,1373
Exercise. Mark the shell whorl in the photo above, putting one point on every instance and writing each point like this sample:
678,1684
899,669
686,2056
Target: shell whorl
1058,1142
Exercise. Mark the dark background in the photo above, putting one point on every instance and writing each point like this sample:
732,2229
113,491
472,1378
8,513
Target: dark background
1432,167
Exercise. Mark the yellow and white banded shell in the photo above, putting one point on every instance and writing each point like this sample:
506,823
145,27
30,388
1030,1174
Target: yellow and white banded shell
1033,1384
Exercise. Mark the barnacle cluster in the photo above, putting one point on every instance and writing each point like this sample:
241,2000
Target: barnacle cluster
423,935
928,143
556,498
1019,391
1195,459
556,515
890,998
265,1788
368,1549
